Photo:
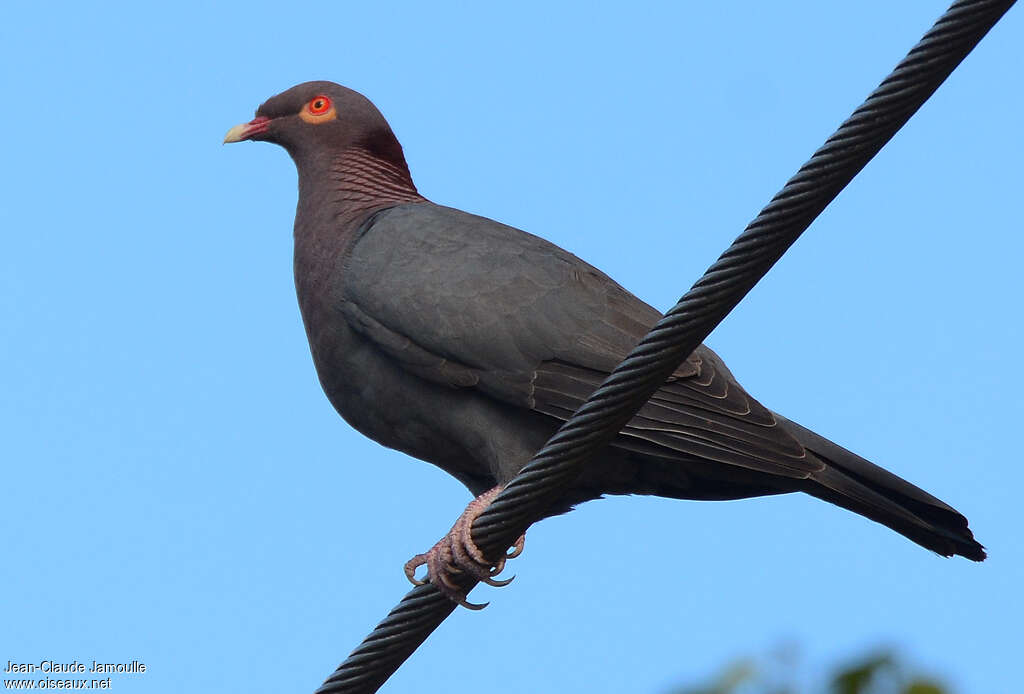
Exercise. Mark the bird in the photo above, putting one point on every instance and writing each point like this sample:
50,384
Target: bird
466,343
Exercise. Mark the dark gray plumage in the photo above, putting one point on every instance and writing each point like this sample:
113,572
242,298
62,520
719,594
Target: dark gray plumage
465,343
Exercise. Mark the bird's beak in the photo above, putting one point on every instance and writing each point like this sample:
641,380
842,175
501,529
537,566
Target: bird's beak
246,131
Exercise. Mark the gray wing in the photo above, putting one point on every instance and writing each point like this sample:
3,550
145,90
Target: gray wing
468,302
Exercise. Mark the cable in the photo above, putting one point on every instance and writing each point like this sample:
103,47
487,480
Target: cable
682,329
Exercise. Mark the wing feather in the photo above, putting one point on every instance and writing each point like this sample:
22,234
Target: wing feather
471,303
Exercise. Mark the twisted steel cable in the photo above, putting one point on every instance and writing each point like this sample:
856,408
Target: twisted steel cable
682,329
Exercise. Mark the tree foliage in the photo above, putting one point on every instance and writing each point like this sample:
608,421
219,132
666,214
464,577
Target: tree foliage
878,672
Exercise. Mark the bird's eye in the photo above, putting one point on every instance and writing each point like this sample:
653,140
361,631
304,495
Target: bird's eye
318,105
318,110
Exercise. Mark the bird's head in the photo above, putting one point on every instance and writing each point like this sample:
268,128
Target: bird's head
319,117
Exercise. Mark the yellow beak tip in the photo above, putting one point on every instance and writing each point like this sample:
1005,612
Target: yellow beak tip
236,134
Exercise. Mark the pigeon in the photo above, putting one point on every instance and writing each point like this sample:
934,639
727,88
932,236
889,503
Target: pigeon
464,342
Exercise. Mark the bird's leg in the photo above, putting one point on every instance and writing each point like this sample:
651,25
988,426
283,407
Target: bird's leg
456,555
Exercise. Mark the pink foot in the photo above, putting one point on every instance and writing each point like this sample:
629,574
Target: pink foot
457,555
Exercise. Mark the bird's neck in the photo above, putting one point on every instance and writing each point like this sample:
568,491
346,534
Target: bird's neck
356,183
337,193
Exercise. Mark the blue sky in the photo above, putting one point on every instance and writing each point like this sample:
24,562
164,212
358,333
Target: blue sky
178,491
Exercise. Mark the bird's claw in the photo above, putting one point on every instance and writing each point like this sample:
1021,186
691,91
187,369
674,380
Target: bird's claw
410,569
457,555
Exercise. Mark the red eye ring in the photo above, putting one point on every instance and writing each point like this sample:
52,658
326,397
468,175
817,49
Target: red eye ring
319,105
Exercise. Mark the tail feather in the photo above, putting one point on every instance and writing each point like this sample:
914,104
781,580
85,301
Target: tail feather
862,487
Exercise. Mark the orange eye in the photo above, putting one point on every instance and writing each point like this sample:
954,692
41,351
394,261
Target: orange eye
318,110
319,105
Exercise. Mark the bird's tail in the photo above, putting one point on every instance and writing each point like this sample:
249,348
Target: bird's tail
862,487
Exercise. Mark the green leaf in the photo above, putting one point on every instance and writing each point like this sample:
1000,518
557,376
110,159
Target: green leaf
857,678
922,686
